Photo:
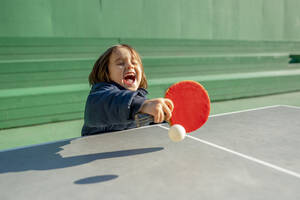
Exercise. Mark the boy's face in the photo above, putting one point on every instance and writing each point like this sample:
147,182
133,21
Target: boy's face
125,69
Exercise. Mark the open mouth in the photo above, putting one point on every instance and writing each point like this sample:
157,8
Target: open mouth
129,79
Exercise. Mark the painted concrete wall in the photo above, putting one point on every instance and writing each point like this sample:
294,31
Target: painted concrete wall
196,19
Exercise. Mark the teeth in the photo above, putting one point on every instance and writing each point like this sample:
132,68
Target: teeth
130,74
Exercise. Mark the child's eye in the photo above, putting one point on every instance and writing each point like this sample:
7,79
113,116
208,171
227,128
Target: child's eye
121,63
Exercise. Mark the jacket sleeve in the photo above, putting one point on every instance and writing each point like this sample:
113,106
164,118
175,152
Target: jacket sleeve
112,106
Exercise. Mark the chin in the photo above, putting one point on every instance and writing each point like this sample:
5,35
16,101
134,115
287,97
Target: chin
132,88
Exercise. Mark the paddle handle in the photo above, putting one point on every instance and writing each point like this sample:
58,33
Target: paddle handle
143,119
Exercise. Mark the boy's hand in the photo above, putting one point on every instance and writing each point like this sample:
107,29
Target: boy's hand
160,108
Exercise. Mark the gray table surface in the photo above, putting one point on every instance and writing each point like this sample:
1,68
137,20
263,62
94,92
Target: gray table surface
251,154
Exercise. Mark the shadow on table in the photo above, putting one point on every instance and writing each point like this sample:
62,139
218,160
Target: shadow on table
96,179
46,157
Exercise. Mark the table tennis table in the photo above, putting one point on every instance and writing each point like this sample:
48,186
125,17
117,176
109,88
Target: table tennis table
251,154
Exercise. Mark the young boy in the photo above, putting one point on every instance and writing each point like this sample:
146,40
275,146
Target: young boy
118,93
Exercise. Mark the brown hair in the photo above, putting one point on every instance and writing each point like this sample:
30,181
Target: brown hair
100,71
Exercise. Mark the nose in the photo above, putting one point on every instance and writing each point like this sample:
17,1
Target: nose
130,66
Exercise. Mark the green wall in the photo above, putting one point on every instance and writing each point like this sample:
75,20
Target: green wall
194,19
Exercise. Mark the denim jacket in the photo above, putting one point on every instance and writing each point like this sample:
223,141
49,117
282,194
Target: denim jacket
111,107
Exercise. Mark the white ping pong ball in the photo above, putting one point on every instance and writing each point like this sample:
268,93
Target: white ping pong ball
177,133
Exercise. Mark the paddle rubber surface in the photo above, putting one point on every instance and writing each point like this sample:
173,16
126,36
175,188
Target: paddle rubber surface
191,104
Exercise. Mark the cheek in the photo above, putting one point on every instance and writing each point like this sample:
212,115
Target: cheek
140,73
115,73
139,70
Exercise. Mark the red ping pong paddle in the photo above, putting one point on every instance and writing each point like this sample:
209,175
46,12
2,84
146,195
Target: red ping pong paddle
191,105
